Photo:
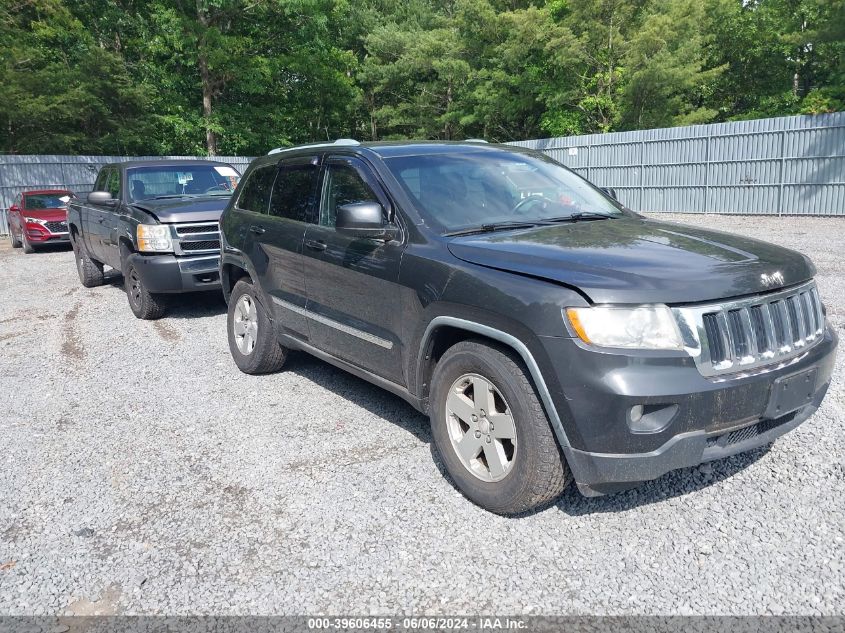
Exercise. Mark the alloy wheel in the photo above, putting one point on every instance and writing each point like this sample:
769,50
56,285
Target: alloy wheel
245,324
481,427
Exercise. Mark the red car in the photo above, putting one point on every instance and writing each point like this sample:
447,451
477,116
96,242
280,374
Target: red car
39,217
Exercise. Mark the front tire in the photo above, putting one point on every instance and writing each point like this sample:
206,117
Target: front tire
491,431
143,303
28,248
252,342
90,272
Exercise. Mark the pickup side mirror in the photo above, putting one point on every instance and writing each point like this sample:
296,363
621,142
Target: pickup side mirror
610,191
102,198
363,219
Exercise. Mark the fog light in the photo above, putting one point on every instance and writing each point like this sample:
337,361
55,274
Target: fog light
651,418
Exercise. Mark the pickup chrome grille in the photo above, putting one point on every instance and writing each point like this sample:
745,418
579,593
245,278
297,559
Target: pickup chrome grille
737,336
197,238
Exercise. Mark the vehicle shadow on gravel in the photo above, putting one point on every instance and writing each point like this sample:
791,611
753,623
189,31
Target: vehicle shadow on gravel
191,305
357,391
673,484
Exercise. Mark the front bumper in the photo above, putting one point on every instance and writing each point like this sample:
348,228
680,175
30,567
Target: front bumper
171,274
713,419
37,234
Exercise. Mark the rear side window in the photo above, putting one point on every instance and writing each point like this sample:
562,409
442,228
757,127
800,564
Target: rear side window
294,192
255,194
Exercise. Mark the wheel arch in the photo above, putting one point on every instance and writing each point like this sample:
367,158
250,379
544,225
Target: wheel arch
442,332
230,273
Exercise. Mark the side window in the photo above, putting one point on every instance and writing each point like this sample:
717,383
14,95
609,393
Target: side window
343,185
113,183
255,193
293,192
100,185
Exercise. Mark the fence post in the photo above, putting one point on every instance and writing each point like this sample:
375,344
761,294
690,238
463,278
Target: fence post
780,176
707,172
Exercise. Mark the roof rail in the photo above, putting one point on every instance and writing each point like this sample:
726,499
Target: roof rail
340,141
474,140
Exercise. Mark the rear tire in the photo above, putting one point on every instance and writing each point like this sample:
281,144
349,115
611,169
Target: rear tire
143,303
90,271
491,431
252,341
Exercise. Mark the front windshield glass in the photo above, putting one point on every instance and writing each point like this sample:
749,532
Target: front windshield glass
472,189
37,201
181,180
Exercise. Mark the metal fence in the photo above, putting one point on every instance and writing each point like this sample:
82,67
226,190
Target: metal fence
77,173
782,166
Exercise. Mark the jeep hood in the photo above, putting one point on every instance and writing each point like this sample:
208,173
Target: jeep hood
200,209
631,260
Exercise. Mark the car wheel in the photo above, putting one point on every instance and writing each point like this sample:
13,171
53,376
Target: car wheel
90,272
144,304
27,246
252,341
16,243
491,431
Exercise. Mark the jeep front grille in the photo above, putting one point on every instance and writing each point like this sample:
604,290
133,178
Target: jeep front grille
197,238
736,336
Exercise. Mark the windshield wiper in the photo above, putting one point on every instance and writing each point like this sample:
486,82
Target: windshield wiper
581,215
178,195
495,226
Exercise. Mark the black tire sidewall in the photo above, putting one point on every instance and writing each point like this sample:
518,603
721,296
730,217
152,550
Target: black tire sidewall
498,496
137,310
249,363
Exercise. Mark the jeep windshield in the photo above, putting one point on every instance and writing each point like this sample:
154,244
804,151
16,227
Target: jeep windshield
485,190
177,181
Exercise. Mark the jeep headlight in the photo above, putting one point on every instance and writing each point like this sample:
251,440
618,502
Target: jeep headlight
638,327
154,238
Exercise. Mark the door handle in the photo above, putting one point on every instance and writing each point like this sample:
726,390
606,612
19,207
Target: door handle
258,230
315,245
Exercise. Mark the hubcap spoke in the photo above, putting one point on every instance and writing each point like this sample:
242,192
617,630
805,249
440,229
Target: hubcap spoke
240,328
496,459
482,394
461,406
503,427
469,446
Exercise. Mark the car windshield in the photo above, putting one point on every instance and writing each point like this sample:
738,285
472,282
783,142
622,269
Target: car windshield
36,201
167,181
474,189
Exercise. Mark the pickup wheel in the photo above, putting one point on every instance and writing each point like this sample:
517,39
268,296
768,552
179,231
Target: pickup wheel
252,342
492,432
144,304
90,272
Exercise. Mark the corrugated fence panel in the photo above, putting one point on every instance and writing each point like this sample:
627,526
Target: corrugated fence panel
785,165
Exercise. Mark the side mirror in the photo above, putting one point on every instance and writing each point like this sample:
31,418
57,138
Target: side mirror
102,198
610,191
14,208
363,219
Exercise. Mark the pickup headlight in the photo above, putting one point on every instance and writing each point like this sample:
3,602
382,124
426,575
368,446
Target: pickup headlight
154,238
639,327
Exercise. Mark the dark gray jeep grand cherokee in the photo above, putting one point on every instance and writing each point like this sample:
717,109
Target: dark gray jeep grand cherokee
549,333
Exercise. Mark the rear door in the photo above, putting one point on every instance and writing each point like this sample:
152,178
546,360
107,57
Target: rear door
353,296
278,201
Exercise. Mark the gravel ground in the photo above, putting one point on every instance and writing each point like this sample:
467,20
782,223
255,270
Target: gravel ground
142,473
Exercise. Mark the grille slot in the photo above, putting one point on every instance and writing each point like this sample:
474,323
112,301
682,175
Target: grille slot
748,333
189,229
205,245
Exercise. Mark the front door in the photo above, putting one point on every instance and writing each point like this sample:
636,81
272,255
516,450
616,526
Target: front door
353,297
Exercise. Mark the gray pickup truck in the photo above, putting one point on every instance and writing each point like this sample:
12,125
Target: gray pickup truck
157,222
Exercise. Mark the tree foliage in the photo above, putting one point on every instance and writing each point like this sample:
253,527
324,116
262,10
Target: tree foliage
241,76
